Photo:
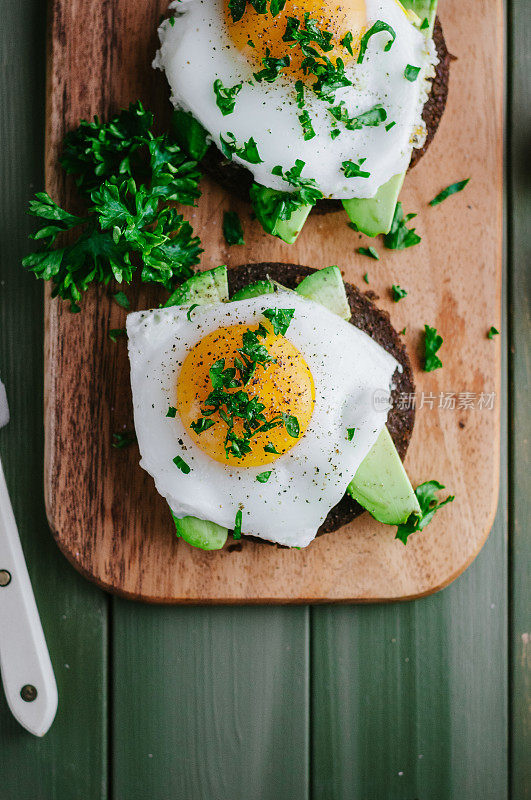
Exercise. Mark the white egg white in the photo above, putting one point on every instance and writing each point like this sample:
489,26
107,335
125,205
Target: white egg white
196,50
349,370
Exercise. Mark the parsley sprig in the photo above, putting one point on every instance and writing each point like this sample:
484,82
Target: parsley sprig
125,174
429,505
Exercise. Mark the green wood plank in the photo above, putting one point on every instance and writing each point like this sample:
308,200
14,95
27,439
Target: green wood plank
520,371
69,763
210,703
409,701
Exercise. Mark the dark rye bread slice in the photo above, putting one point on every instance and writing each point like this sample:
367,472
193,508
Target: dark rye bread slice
237,180
375,322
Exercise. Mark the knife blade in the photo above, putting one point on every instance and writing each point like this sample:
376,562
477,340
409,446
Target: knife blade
25,666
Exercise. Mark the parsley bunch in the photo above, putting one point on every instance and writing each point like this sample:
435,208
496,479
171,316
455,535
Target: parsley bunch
124,173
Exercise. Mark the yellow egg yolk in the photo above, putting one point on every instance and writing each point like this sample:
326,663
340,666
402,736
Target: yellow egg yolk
265,31
284,387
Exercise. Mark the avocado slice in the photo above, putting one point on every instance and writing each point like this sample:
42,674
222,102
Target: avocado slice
254,290
201,533
210,286
374,215
267,204
381,484
326,287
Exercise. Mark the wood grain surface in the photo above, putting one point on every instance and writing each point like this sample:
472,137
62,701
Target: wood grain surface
103,509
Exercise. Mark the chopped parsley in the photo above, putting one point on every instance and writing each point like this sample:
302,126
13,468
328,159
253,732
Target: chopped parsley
272,67
350,433
378,27
306,125
400,236
181,464
299,89
171,412
432,343
226,96
492,332
452,189
241,414
428,507
398,292
248,151
371,118
263,477
202,425
237,7
346,41
123,439
307,36
270,448
280,319
191,310
307,190
122,300
391,125
369,251
117,333
411,73
402,332
424,24
366,277
354,170
232,228
237,532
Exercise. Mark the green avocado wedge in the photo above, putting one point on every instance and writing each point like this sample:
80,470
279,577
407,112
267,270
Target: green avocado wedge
210,286
381,484
254,290
326,286
374,215
201,533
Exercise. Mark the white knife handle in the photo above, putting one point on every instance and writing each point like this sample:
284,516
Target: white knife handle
27,674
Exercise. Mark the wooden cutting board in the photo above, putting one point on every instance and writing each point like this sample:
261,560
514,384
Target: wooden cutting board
103,508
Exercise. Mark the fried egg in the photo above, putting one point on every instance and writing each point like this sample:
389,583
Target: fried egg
323,372
202,44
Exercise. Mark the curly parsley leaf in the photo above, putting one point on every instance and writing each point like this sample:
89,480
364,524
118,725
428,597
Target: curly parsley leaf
350,433
280,319
400,236
201,425
371,252
492,332
232,228
429,505
432,343
171,412
226,96
352,169
272,67
378,27
291,424
270,448
122,300
371,118
307,36
454,188
306,125
263,477
398,292
307,189
248,151
346,41
237,7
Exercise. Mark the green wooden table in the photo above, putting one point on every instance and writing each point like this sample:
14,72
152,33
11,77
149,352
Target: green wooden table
422,700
